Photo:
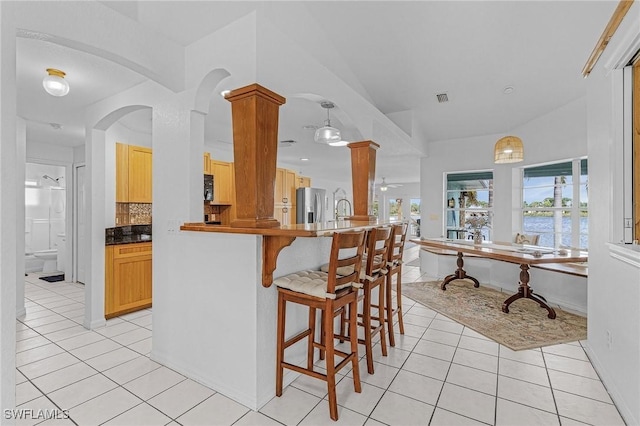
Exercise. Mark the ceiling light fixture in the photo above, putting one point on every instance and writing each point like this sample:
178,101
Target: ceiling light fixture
383,186
508,149
327,134
54,83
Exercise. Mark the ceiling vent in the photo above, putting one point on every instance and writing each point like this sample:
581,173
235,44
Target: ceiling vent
287,143
442,98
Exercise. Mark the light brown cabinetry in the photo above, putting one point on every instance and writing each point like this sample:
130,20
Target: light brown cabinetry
122,173
304,182
134,174
224,195
222,182
287,181
128,269
140,174
207,163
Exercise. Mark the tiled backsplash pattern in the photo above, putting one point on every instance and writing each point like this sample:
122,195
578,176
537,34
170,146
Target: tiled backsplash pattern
133,213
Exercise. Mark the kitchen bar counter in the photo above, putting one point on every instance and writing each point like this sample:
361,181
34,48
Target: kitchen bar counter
277,238
323,229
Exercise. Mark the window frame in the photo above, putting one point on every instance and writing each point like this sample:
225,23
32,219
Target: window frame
575,209
451,231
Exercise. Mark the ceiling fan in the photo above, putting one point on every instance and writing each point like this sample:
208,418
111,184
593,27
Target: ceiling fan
385,186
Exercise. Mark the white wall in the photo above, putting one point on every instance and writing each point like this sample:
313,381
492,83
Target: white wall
8,200
614,294
558,135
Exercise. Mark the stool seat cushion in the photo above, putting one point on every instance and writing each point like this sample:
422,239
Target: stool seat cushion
313,283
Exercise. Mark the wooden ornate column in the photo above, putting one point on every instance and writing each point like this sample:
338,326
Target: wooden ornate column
254,111
363,174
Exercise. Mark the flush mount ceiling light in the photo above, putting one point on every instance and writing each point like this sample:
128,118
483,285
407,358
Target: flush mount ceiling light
327,134
54,83
508,149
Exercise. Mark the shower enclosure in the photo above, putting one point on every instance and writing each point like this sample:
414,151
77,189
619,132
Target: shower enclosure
45,211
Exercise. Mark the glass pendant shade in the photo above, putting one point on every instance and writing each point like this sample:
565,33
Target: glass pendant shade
508,149
54,83
327,134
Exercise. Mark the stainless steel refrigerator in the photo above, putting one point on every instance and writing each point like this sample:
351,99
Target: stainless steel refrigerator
311,205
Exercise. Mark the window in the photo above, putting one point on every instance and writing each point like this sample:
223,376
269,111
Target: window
555,203
469,195
395,209
415,217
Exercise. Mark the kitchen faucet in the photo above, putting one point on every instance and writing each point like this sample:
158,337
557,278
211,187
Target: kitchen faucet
338,205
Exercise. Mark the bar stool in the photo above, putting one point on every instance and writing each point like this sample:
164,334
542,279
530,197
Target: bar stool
327,292
394,267
372,276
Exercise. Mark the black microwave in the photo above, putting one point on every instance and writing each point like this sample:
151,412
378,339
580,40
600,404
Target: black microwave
208,187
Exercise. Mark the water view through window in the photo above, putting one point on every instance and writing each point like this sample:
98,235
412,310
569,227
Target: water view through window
555,204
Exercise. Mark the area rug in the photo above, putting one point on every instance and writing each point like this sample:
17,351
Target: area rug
526,326
53,278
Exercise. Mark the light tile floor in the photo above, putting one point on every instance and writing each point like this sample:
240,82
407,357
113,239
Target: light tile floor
439,373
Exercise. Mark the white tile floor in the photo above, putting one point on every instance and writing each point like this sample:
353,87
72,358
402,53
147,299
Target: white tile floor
439,373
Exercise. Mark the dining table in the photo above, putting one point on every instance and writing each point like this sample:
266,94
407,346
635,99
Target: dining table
522,254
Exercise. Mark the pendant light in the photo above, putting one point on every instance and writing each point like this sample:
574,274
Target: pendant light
508,149
54,83
327,134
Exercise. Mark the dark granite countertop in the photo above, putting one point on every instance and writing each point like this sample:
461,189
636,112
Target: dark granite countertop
128,234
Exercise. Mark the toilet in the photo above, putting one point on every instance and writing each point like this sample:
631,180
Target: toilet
50,258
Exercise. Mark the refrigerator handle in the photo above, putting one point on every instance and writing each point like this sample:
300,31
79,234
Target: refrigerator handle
316,208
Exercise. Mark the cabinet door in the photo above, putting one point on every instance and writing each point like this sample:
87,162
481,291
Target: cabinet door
222,181
128,278
292,215
290,186
305,182
140,174
122,173
279,193
282,213
207,163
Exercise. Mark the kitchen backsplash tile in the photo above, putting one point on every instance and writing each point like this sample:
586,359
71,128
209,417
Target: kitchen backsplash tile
133,213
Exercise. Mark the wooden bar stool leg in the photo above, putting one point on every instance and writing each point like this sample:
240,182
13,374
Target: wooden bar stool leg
343,321
353,336
330,363
323,334
312,337
389,309
366,322
399,301
282,306
381,313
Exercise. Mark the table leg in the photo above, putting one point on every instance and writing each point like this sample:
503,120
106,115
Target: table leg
526,292
459,274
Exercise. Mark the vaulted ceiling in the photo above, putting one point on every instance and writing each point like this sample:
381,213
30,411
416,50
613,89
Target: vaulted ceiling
397,55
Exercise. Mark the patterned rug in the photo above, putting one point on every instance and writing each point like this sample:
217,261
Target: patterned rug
526,326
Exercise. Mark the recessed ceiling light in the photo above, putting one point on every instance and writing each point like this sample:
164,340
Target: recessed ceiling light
508,90
304,159
224,93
